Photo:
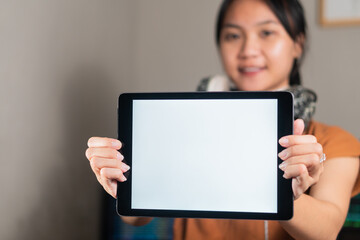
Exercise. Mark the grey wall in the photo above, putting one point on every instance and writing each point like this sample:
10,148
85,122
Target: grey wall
331,68
62,66
57,89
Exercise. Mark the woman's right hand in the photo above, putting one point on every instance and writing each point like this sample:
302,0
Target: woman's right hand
106,162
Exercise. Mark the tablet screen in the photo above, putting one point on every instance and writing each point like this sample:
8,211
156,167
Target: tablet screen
208,155
205,155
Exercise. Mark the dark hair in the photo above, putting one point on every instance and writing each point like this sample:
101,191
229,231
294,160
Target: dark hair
291,15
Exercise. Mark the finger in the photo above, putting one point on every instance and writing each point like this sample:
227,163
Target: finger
111,187
311,161
293,171
299,126
296,140
302,149
104,153
112,174
300,184
98,163
103,142
105,182
108,179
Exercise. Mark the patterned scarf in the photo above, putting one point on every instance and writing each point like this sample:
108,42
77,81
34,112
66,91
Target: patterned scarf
304,103
304,99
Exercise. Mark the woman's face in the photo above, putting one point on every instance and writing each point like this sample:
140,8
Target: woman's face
256,51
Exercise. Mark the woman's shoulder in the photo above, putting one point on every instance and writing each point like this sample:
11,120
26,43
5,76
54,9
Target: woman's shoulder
322,130
336,141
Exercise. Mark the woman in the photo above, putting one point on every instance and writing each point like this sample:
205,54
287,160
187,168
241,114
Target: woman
261,44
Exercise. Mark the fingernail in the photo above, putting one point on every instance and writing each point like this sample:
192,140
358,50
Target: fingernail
116,144
126,167
123,178
283,165
282,154
119,156
284,141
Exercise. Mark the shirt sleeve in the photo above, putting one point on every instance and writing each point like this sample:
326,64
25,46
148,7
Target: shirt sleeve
339,143
336,143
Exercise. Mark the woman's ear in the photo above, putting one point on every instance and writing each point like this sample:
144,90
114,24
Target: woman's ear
299,46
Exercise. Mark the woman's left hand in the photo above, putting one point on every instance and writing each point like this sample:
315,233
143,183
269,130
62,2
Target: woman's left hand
301,157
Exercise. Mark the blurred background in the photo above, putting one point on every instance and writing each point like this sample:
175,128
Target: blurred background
63,65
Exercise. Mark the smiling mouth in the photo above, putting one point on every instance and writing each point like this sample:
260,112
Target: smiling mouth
250,70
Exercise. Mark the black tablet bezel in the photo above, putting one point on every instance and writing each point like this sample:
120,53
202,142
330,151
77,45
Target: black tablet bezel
285,127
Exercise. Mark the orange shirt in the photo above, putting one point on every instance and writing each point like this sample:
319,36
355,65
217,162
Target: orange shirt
336,143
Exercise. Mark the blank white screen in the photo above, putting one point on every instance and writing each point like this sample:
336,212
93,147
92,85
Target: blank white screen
211,155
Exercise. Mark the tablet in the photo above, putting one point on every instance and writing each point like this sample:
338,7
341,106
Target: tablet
205,155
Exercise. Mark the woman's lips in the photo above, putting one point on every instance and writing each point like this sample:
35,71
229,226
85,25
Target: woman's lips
250,71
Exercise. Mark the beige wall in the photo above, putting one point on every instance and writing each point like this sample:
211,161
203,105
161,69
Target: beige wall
62,66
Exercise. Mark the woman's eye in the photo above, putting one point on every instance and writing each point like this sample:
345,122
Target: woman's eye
266,33
231,36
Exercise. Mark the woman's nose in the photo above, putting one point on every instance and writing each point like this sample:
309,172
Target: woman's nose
249,48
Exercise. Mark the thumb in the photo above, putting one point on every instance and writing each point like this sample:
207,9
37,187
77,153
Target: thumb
299,126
